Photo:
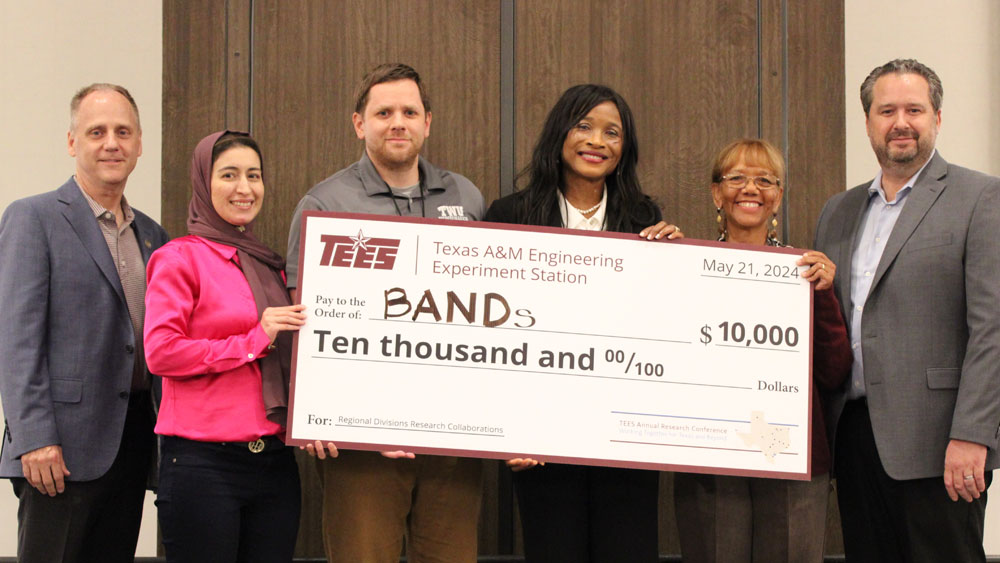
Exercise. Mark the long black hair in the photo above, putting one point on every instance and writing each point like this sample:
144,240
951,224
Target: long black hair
628,208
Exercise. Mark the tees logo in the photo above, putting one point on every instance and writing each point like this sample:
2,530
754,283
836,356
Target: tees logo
358,252
452,212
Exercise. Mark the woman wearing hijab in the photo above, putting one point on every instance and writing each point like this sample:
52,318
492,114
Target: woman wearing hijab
758,520
217,330
582,175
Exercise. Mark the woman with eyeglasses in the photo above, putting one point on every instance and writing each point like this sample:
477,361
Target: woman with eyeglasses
744,519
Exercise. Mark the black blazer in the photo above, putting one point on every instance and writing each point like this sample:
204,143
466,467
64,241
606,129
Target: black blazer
511,209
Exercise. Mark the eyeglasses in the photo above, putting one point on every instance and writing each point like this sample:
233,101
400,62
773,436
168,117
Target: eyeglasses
739,181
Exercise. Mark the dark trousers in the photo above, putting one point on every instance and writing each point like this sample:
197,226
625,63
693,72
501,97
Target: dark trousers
890,521
91,520
581,514
729,519
221,502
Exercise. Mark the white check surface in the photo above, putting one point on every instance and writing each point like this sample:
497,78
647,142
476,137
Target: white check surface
613,351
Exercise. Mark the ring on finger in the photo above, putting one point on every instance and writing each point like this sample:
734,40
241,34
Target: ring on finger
969,477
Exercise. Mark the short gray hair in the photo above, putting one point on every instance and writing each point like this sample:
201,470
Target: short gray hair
903,66
74,104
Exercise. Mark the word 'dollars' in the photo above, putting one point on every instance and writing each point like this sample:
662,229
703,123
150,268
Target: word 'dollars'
489,309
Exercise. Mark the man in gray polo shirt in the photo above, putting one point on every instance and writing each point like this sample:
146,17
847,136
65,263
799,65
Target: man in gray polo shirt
370,500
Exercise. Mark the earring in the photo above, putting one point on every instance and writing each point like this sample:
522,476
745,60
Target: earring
722,225
772,235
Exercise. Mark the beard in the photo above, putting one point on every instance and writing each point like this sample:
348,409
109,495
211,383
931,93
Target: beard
886,154
395,159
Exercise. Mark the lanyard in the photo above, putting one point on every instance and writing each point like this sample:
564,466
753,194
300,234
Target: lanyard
423,202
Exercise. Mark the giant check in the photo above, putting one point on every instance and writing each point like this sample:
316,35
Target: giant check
486,340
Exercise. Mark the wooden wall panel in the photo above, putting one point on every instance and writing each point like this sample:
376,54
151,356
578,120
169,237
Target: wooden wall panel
194,96
206,77
772,74
810,107
687,69
817,142
310,55
239,49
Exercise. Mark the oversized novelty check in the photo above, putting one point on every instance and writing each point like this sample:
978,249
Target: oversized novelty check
499,341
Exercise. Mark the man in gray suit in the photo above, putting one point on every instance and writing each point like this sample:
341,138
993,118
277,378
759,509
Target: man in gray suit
917,424
78,440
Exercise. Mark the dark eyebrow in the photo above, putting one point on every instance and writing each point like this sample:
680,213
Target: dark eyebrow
234,167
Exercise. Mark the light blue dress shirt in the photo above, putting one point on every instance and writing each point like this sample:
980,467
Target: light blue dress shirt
877,225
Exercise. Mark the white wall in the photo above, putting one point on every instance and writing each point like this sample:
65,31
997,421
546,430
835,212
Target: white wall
48,50
960,40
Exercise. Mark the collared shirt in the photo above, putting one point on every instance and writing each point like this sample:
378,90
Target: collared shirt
125,253
573,219
359,189
203,336
877,225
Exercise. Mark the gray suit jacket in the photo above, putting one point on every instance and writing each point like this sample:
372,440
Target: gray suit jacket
931,325
66,341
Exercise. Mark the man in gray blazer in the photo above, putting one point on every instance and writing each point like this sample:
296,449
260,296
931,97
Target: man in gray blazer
78,440
917,425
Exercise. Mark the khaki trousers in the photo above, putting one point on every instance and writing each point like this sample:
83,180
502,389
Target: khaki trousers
371,502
